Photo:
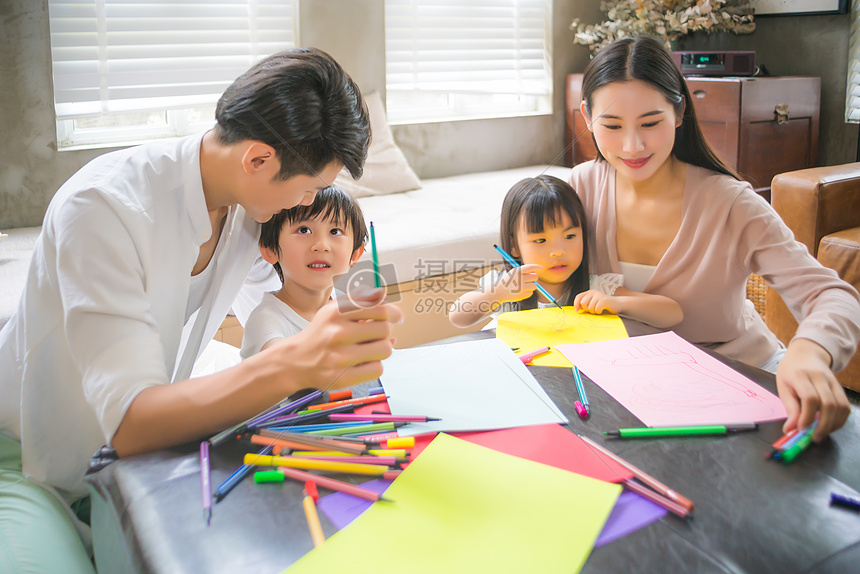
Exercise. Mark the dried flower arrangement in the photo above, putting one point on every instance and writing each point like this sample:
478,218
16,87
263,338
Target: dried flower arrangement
667,19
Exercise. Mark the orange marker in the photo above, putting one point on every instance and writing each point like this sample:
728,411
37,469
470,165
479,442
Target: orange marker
313,519
357,402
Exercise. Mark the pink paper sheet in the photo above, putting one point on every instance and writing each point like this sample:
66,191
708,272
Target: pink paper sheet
549,444
665,381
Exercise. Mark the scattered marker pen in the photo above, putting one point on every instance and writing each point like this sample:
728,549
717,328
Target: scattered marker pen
527,358
581,405
844,501
654,432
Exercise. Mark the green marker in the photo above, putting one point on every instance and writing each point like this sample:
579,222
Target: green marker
376,279
373,428
681,431
798,448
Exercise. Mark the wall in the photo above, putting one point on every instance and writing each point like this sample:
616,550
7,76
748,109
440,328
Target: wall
802,46
31,168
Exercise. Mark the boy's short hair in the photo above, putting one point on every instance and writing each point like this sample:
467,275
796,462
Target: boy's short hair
330,203
303,104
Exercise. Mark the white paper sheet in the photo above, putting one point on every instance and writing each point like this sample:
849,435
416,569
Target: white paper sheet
474,385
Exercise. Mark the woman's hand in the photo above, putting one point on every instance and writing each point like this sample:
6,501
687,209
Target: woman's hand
808,388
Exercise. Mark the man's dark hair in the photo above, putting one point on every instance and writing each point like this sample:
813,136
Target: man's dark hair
330,203
304,105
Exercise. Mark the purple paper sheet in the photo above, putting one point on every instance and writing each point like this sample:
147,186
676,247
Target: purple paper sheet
631,511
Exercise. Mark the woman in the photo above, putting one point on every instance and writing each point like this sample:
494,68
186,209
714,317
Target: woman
670,216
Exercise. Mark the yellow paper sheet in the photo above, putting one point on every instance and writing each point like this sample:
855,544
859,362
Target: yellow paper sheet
549,327
460,507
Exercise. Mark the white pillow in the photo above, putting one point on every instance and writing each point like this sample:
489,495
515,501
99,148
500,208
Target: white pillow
386,169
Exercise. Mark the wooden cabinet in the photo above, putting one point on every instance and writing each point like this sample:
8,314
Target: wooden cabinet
758,126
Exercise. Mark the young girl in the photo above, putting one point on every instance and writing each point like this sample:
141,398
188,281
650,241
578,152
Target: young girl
665,208
543,226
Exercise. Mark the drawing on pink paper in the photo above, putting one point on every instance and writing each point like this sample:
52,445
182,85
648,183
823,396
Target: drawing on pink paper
665,381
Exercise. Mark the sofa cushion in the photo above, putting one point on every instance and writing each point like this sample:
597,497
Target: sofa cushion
840,251
386,169
449,225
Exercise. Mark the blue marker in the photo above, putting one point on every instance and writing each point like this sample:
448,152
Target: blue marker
240,473
580,389
844,501
514,263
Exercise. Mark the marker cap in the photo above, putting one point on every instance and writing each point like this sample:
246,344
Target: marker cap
580,410
268,476
311,489
339,395
400,442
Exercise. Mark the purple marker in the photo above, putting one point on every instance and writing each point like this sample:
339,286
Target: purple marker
290,407
206,487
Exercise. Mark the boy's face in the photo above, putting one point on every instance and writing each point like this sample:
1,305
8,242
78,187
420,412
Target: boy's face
314,252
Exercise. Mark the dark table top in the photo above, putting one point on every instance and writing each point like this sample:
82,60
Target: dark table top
752,514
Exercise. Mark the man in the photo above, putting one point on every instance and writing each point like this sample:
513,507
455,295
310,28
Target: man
142,254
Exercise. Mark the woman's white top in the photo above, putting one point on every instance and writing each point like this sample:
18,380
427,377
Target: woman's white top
636,275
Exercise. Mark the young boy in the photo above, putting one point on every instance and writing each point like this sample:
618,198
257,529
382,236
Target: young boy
309,246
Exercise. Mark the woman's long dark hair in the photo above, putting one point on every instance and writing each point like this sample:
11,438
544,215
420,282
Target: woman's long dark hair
541,201
646,59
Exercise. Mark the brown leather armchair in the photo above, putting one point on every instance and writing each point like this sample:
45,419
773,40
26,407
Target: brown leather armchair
821,206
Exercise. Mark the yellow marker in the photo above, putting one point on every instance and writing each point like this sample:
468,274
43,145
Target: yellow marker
398,452
312,464
400,442
321,453
313,521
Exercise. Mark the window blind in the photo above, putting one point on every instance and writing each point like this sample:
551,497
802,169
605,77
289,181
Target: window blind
439,50
852,98
125,55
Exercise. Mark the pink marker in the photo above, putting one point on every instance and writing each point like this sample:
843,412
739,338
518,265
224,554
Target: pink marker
580,410
527,358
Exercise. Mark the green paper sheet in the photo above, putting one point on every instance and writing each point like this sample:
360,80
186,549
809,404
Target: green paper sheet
551,326
460,507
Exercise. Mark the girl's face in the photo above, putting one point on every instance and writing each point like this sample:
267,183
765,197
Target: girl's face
634,126
557,248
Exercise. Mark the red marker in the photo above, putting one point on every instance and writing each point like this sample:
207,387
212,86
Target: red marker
311,490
